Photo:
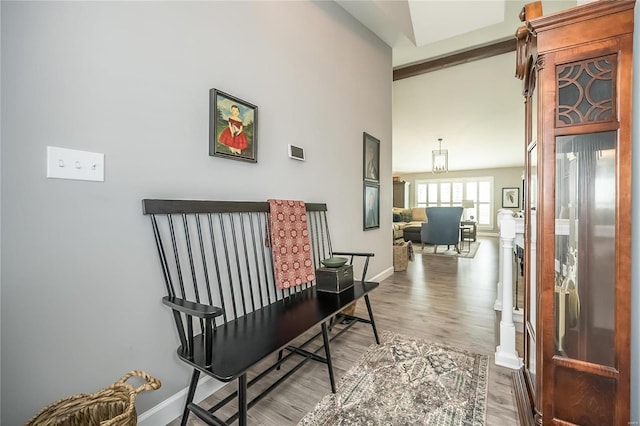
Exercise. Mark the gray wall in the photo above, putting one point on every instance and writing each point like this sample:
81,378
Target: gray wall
81,283
507,177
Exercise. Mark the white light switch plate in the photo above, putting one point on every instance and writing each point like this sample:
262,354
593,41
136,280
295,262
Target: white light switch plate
65,163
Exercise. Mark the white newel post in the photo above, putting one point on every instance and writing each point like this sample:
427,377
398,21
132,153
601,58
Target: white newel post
498,303
506,354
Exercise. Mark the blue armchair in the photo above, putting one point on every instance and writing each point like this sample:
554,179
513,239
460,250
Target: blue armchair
442,227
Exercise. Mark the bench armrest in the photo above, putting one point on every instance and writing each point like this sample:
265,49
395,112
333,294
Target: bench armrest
195,309
353,254
348,253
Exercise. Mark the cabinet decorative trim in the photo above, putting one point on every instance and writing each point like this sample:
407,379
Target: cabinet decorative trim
586,91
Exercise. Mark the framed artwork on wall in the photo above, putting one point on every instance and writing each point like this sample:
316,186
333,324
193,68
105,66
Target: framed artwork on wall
371,151
233,127
371,206
510,198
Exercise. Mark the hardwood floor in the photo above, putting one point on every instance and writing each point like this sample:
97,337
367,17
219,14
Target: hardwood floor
442,299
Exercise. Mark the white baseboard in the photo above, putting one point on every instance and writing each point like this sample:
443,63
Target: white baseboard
382,275
488,234
171,408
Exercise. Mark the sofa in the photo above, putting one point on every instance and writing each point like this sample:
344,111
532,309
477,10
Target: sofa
407,223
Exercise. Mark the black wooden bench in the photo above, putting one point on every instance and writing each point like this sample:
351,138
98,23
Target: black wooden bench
218,271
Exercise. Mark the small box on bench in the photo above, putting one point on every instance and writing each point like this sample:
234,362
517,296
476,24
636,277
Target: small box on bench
334,280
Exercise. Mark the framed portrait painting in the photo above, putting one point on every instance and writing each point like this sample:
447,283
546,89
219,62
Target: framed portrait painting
510,198
371,206
371,166
233,127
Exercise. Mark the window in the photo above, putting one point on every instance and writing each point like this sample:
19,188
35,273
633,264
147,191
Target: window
451,192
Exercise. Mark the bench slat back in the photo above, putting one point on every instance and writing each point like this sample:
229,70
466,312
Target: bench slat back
219,253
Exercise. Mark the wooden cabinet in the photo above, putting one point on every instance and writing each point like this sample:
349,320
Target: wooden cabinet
401,194
576,66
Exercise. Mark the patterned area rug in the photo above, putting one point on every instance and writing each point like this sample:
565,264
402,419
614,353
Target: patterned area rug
408,381
469,250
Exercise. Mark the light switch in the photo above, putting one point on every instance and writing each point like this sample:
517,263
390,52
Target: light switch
65,163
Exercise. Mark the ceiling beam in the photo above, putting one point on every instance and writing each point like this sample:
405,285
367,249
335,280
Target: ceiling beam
461,57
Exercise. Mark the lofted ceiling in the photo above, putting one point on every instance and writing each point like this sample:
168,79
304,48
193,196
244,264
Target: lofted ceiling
476,107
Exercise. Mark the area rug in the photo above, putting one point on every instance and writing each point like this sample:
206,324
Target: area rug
408,381
467,251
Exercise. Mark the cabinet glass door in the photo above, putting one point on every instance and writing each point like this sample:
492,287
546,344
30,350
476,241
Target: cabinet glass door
585,257
531,205
531,262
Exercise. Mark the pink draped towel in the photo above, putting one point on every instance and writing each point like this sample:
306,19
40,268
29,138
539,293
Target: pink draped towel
290,245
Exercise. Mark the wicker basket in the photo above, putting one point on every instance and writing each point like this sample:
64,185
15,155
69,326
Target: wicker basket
401,256
111,406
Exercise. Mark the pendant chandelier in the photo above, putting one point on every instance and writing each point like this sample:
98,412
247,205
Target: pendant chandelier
440,159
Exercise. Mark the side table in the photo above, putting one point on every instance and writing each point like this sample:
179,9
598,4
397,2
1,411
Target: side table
472,231
465,235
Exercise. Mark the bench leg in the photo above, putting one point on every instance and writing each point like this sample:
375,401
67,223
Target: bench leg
327,351
279,359
192,390
242,400
373,323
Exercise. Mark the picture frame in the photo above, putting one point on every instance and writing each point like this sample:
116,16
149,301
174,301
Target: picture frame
371,158
233,127
510,198
371,206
